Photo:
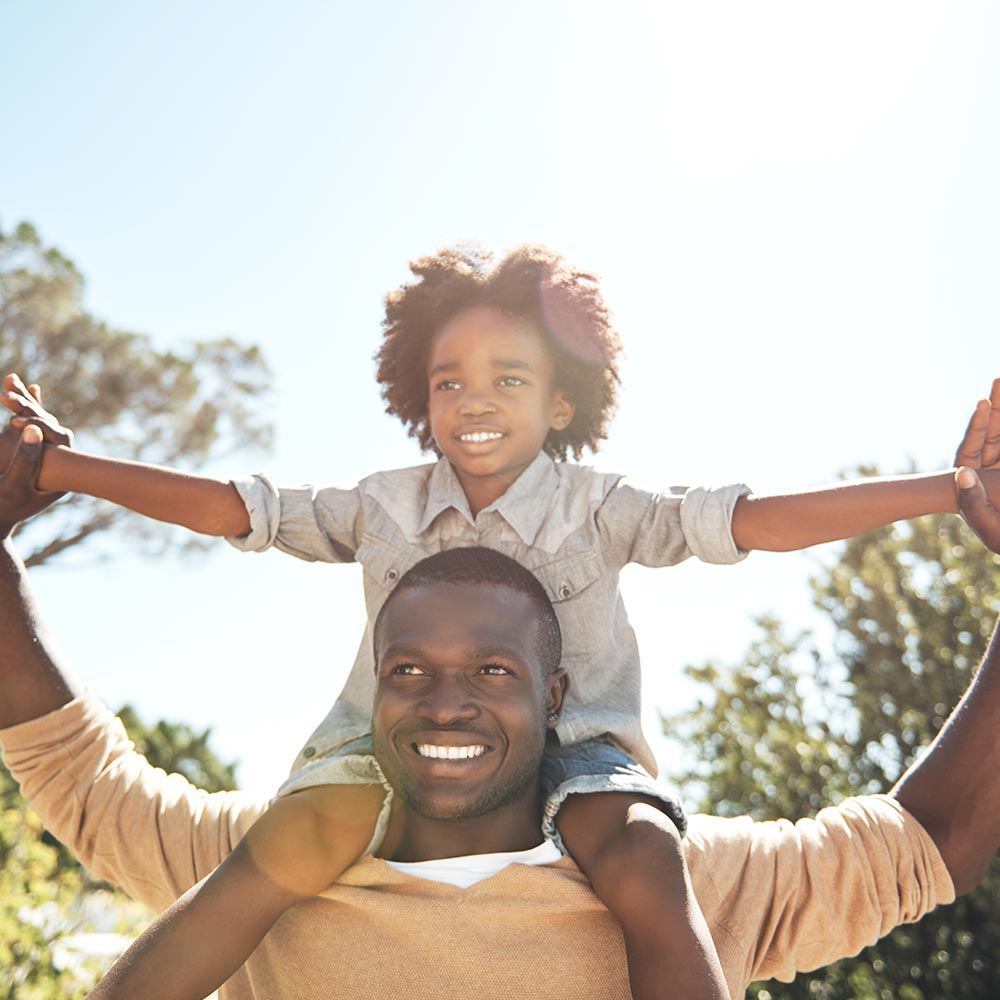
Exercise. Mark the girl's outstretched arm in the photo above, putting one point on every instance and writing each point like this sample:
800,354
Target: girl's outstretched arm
208,506
797,520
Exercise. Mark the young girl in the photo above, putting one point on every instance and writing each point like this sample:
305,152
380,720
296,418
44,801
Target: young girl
502,371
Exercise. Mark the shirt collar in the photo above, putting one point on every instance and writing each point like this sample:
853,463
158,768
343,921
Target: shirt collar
523,506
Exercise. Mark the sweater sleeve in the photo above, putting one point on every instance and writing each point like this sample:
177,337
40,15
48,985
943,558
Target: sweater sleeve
317,524
794,897
151,833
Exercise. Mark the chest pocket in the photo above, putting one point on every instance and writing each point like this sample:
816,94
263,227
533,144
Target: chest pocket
384,563
568,577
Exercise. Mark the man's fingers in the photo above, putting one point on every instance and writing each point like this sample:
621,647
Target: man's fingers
975,506
26,460
991,446
971,449
19,499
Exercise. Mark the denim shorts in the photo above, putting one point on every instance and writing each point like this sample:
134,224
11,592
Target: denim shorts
578,768
596,766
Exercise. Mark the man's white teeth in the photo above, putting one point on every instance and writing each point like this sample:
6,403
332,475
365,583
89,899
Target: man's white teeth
450,753
477,437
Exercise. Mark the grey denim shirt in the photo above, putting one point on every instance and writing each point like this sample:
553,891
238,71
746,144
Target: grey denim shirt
572,526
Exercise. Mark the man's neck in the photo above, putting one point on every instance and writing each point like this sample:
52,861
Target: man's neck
411,837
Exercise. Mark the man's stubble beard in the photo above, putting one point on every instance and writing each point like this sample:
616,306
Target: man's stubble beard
504,789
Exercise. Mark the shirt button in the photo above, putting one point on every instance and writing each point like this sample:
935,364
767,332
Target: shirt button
309,752
565,590
391,576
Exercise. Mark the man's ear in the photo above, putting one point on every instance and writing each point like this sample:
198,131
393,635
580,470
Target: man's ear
562,411
556,686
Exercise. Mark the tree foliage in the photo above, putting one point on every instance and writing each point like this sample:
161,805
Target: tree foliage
47,900
127,399
122,396
797,726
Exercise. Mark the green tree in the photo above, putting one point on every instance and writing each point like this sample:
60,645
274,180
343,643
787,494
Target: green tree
796,726
46,897
178,749
121,395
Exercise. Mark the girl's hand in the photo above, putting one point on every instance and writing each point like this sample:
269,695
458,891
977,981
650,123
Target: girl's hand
25,403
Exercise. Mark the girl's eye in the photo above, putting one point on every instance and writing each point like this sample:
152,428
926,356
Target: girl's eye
448,385
509,381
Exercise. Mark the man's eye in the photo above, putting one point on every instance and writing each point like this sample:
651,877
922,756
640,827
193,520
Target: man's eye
510,381
407,670
494,669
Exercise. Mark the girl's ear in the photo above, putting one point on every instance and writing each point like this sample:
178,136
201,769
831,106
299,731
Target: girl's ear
562,411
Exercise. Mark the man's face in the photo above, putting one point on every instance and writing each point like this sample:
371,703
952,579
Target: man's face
491,397
459,717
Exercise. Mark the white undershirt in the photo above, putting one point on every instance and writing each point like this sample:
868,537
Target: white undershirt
473,868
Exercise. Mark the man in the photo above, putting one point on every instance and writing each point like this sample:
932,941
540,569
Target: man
777,898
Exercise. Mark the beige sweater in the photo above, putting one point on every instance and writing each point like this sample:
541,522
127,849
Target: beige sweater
778,897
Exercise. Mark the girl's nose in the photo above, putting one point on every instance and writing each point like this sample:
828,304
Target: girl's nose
478,403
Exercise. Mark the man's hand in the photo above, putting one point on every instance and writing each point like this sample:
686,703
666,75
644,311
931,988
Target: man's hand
975,506
980,447
25,403
19,499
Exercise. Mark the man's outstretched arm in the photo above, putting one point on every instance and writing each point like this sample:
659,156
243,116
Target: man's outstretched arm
954,788
34,679
153,834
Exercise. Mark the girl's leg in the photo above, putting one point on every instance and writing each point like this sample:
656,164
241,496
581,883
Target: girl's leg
347,815
633,855
295,850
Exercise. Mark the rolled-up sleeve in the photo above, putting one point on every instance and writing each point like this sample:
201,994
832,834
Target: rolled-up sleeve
661,529
318,524
794,897
151,833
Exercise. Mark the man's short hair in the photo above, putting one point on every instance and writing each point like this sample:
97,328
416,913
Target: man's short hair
477,564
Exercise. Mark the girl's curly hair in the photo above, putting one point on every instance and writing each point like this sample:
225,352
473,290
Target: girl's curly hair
531,282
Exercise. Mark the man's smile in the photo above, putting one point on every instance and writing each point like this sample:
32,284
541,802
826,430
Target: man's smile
450,752
441,753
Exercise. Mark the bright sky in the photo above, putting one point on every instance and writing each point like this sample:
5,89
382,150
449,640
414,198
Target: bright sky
793,209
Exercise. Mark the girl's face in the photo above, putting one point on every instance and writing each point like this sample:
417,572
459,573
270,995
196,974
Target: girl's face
492,399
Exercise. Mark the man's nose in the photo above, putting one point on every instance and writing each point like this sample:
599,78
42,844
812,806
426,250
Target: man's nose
447,701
